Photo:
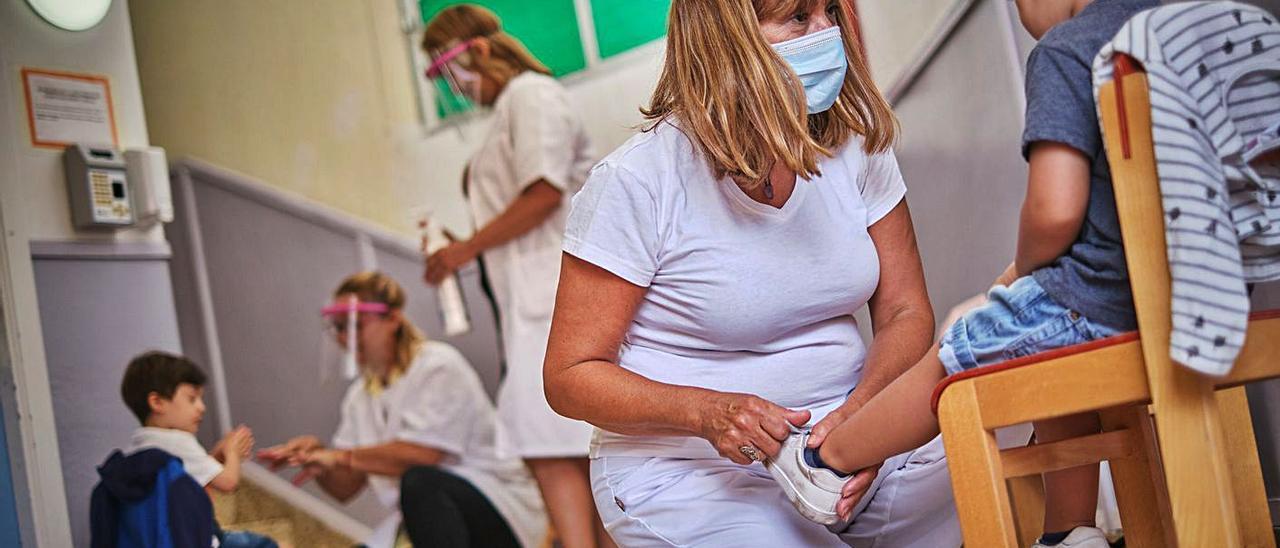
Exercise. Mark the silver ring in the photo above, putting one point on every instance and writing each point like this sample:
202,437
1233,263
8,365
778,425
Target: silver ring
750,452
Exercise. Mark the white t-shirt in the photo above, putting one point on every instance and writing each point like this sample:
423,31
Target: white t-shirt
535,133
742,296
195,460
440,403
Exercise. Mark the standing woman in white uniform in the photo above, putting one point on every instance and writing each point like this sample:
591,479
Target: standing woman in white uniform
713,267
520,181
417,428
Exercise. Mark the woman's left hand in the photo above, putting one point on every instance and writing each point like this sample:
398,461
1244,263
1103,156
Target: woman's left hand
448,260
854,490
324,458
290,453
317,462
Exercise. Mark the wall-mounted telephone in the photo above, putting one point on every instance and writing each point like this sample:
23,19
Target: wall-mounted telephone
109,189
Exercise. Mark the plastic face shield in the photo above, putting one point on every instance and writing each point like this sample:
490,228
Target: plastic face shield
342,324
462,83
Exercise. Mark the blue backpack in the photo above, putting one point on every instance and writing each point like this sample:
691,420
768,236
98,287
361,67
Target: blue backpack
147,500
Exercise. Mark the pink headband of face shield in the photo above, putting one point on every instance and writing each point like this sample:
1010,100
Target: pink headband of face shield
347,308
438,64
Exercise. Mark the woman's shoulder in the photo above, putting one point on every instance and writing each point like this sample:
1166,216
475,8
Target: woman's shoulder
435,357
436,353
534,79
654,155
853,152
532,89
354,391
852,159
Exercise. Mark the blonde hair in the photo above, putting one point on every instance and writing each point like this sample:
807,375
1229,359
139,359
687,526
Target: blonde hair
744,106
508,56
376,287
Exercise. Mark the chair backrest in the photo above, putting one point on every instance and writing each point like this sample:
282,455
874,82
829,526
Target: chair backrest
1191,436
1126,127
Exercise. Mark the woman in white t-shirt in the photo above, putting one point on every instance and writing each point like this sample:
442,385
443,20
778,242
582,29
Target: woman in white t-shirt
713,265
417,428
519,183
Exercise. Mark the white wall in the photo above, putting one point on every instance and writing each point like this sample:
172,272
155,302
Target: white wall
314,97
33,207
894,31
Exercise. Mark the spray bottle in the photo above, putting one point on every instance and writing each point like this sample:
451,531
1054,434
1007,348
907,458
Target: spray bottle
453,309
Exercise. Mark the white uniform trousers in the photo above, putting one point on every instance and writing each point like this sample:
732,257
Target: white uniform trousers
713,502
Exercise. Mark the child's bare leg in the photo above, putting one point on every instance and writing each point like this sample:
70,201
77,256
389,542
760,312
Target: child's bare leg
867,438
1071,495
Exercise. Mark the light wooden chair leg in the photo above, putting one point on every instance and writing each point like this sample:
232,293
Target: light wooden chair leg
1139,482
1027,496
982,499
1246,471
1194,457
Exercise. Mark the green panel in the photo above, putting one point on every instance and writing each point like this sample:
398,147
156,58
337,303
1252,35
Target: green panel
549,28
625,24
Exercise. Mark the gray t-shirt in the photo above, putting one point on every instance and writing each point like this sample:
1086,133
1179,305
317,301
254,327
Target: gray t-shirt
1091,278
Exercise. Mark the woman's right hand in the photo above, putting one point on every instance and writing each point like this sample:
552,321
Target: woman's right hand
733,421
291,453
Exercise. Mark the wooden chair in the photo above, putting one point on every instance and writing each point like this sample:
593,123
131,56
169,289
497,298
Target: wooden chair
1180,444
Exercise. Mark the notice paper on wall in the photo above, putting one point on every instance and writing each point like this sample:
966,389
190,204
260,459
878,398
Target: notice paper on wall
65,108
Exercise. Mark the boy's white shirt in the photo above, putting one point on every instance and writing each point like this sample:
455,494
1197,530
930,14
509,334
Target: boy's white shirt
198,463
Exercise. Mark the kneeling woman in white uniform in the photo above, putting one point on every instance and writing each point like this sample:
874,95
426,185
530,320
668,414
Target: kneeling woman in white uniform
418,429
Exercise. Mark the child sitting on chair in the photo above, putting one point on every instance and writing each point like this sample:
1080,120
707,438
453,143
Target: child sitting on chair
1067,285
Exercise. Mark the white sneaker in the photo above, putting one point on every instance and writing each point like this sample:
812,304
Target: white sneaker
1081,537
813,491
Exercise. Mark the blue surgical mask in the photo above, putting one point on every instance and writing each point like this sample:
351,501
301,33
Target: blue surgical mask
819,60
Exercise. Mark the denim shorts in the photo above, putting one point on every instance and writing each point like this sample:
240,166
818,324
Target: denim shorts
245,539
1018,320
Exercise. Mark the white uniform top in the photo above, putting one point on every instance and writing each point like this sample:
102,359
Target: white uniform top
742,296
536,135
182,444
439,402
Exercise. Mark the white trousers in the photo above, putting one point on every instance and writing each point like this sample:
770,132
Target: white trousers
714,502
527,426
